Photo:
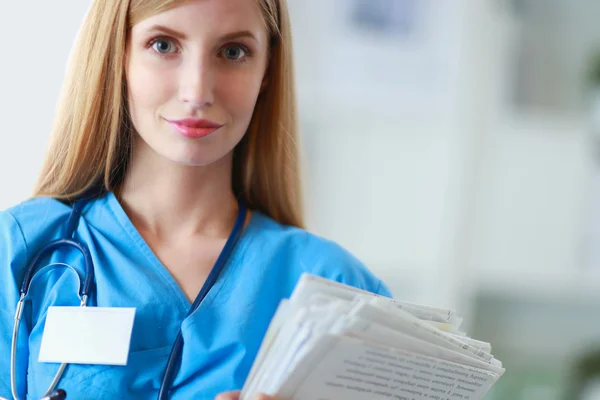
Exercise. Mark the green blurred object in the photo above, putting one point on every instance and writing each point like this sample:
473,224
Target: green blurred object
549,345
528,380
593,70
585,372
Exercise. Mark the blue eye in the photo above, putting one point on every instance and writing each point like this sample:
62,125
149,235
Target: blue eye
234,52
163,46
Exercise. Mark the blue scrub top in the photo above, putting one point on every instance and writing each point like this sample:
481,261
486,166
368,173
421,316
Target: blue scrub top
221,338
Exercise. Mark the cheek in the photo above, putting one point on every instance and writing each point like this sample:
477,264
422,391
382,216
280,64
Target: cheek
240,93
148,88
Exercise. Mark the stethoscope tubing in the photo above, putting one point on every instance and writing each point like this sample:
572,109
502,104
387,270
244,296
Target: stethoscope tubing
87,286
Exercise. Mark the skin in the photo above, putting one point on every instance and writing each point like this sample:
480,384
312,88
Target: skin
189,62
236,396
177,190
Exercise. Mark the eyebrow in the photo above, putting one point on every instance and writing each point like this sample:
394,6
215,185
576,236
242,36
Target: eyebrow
183,36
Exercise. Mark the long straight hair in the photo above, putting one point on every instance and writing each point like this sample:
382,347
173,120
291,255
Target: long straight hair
92,136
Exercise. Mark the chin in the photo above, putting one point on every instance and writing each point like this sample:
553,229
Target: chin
194,157
194,153
193,161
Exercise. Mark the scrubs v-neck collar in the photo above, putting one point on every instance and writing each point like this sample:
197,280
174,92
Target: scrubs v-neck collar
158,267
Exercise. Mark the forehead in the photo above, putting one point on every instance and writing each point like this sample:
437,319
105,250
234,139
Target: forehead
209,16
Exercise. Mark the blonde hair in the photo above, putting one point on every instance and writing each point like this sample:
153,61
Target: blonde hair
93,136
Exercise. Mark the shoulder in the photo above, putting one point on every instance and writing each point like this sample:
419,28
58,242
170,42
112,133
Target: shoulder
36,217
11,233
301,251
37,207
22,228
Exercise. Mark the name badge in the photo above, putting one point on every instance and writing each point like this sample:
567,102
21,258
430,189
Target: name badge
87,335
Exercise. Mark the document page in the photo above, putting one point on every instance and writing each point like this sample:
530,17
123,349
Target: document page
355,370
330,341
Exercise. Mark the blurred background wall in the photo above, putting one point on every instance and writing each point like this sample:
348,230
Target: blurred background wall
451,145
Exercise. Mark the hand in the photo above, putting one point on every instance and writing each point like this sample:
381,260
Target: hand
236,396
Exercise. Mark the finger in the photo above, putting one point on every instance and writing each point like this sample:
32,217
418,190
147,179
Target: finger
235,395
264,397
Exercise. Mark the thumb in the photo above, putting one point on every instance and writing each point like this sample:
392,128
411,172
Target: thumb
229,396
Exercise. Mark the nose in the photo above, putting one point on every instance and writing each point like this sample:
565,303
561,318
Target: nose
197,84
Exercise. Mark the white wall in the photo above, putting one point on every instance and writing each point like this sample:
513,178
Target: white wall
532,189
39,36
384,138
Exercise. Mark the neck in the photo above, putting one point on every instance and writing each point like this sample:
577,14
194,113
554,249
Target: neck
171,200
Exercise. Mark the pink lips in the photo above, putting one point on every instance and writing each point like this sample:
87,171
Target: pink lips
194,128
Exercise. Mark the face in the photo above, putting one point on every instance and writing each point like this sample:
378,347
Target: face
194,74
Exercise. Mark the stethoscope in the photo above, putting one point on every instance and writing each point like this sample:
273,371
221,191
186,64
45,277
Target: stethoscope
86,288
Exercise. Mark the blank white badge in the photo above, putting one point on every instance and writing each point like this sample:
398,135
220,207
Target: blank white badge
87,335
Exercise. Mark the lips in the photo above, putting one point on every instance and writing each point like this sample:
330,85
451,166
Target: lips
194,128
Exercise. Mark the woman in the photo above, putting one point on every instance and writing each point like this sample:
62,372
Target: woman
175,115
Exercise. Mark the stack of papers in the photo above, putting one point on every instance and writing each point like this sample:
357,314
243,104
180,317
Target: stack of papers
330,341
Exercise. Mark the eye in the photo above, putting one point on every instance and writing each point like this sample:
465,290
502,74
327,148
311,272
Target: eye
235,52
163,45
